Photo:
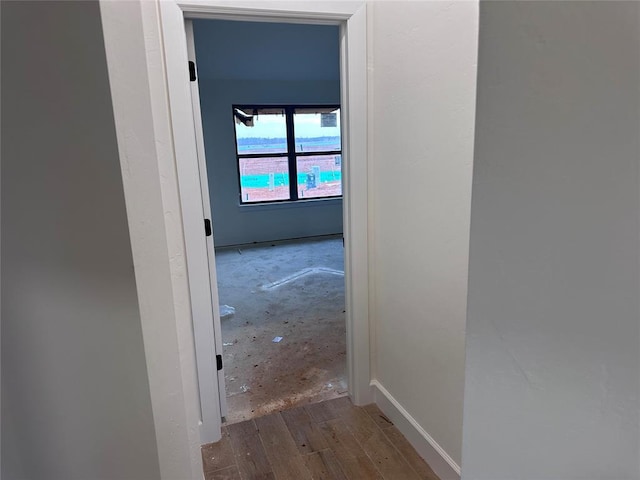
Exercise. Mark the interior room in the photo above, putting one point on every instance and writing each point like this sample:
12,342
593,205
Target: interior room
270,105
495,249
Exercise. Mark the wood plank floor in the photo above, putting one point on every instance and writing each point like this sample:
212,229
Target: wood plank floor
331,440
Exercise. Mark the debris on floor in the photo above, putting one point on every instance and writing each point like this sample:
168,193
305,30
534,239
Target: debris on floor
226,311
307,311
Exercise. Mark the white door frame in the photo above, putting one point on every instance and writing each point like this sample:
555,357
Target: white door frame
211,254
147,61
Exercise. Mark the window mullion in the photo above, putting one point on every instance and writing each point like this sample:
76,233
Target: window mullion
291,150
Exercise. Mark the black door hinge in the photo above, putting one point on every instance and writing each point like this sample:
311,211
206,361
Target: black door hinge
192,71
219,362
207,227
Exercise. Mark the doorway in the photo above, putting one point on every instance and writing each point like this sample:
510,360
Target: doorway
269,98
155,121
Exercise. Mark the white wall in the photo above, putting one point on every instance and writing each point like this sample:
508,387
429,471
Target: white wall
261,63
423,78
553,340
75,393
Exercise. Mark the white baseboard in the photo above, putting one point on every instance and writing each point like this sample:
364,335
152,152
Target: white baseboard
439,461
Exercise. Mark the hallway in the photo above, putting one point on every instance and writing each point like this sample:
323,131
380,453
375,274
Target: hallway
332,440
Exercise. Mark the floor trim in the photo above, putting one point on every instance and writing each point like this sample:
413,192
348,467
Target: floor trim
437,458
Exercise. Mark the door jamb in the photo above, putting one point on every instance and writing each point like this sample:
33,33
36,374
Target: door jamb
143,113
352,20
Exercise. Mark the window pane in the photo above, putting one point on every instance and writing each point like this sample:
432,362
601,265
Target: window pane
264,179
319,176
317,131
258,131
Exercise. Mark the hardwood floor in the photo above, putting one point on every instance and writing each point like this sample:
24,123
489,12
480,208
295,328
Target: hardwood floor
331,440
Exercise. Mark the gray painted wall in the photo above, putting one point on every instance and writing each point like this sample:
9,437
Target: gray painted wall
75,395
553,340
261,63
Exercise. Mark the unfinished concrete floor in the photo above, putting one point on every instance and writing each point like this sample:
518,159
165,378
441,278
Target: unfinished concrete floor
293,290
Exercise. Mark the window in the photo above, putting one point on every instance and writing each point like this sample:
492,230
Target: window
288,153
